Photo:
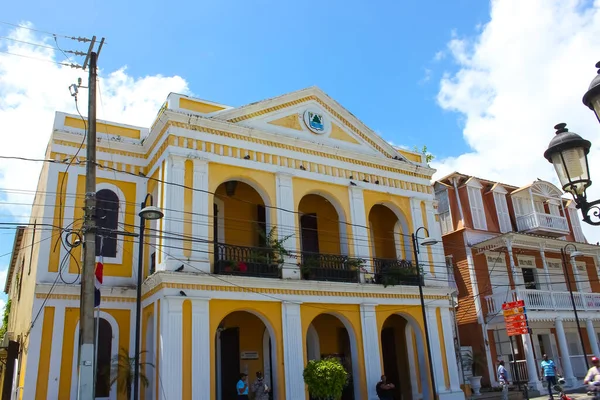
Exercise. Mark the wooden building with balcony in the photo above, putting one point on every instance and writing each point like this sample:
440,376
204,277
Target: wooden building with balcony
505,243
286,238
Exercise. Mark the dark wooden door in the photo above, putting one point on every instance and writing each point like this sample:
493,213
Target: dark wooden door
390,359
310,236
230,363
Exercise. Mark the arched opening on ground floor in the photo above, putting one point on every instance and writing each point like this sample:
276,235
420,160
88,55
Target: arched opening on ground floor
244,344
330,335
403,357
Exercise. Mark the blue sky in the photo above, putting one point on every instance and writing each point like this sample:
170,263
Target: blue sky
480,83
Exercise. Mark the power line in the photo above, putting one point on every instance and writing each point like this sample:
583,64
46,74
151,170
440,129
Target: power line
41,59
79,39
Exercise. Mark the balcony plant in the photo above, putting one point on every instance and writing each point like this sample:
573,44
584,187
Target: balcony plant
308,265
354,264
325,379
273,250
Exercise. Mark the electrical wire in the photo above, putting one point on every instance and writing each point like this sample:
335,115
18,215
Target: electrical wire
40,59
79,39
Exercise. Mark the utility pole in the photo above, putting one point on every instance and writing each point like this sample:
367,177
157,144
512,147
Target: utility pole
86,323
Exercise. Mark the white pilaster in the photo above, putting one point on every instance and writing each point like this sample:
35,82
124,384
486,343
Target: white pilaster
359,222
35,342
171,347
172,251
564,353
545,264
201,345
436,350
517,278
286,223
593,338
576,275
371,335
439,260
55,352
293,355
200,220
412,362
415,211
447,328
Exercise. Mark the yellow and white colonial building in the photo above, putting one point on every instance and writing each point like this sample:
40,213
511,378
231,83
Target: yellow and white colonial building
286,238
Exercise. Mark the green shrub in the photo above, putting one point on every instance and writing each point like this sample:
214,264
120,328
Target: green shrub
325,378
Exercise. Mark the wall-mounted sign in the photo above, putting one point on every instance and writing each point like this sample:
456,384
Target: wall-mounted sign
249,355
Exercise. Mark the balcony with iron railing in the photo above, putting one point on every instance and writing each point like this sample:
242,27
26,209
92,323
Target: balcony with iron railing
541,300
266,263
544,224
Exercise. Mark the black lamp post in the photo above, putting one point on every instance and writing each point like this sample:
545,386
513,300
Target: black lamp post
425,242
573,254
568,152
592,97
147,212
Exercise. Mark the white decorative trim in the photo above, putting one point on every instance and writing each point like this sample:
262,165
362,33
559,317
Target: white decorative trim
293,351
174,215
448,333
358,217
201,210
201,344
286,222
313,346
326,122
266,358
371,339
55,352
436,350
171,334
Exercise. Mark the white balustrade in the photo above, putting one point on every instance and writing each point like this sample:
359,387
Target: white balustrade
536,220
544,300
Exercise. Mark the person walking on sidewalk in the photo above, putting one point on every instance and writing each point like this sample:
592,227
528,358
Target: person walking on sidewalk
503,379
548,374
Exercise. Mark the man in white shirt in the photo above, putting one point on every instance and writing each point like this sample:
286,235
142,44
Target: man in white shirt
503,379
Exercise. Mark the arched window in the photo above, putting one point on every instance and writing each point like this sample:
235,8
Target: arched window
104,351
107,217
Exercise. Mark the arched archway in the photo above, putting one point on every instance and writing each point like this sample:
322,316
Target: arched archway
244,343
323,239
403,357
332,335
241,230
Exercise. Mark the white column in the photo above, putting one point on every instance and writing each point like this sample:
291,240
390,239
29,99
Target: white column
171,347
437,250
416,215
436,350
200,221
172,251
517,278
201,344
286,223
546,271
573,264
532,371
358,214
371,339
564,353
593,338
448,330
412,362
293,345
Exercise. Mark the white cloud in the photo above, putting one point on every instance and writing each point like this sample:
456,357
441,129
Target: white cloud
524,72
31,91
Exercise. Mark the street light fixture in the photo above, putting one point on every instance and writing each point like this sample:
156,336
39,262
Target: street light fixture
573,254
592,97
150,213
568,152
427,241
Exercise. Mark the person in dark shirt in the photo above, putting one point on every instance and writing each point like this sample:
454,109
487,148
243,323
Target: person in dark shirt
385,389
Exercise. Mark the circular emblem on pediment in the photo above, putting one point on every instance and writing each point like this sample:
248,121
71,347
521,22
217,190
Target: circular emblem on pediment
316,121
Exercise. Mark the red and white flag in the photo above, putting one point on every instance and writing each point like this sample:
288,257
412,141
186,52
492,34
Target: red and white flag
98,284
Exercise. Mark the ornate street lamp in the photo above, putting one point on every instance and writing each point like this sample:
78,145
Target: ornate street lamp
592,97
568,152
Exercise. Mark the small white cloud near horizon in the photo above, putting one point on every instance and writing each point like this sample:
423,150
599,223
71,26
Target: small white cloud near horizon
31,91
520,75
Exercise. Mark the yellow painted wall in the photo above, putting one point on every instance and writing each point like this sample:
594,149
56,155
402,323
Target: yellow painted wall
59,216
253,327
220,173
327,327
351,313
416,157
382,221
198,106
240,213
41,389
339,134
328,226
414,313
124,243
68,356
111,129
186,339
289,121
337,193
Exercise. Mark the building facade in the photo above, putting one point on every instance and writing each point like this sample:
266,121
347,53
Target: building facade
505,244
286,238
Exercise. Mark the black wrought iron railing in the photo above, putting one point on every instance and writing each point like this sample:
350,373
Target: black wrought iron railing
329,267
245,261
395,272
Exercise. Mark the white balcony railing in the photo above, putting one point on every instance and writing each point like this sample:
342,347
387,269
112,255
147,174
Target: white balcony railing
536,220
540,300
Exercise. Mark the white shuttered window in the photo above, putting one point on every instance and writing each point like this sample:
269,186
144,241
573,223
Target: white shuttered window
477,209
444,211
503,215
576,224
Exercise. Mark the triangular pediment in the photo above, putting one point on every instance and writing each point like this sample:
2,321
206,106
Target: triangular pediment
311,115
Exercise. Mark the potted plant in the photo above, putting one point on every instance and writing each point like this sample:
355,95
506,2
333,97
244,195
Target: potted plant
477,362
308,266
325,379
